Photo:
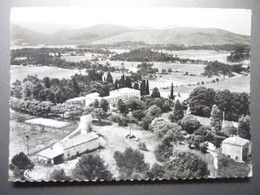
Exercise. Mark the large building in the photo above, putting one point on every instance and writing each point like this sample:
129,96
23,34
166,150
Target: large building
236,148
114,96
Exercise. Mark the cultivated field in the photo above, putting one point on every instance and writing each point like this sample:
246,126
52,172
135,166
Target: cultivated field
20,72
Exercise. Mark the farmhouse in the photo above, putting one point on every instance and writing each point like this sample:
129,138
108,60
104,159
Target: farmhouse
72,145
123,93
236,148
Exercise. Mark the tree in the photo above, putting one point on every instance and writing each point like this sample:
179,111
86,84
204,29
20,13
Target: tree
136,86
100,114
19,163
116,84
164,129
147,88
91,167
131,164
46,82
128,82
201,100
154,111
138,114
244,127
122,107
156,172
215,118
104,104
96,103
177,112
143,88
164,150
172,93
109,77
156,93
186,165
59,174
190,124
103,90
75,86
122,81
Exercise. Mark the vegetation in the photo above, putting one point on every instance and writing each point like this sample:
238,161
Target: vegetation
240,54
58,175
19,164
186,165
234,104
91,167
131,164
190,124
244,127
177,114
164,151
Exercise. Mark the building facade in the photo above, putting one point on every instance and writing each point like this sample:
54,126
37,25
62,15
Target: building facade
236,148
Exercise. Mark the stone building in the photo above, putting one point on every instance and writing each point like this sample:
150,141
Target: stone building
236,148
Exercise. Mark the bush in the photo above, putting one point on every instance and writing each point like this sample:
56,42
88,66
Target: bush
22,162
122,121
164,151
156,172
190,124
59,174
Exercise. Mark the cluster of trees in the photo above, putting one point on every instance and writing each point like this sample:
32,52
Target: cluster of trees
173,47
240,54
145,68
143,55
69,110
42,57
125,82
233,104
218,68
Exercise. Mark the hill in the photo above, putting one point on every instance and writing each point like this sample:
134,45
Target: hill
110,33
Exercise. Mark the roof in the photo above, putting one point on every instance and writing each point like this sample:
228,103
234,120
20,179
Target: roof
114,93
79,139
236,140
52,152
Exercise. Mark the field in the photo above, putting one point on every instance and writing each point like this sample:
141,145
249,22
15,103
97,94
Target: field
20,72
47,122
40,136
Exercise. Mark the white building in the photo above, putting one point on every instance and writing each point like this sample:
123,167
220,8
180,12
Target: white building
236,148
76,143
114,96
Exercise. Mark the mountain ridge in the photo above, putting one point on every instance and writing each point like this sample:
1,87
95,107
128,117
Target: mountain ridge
111,33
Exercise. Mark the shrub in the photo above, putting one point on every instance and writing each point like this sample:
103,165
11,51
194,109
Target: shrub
156,172
59,174
122,121
190,124
164,151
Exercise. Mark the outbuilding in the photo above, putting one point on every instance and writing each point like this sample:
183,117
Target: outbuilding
236,148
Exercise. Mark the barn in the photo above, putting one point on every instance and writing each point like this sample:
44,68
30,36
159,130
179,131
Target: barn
236,148
68,148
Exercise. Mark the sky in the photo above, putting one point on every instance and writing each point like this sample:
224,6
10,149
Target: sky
234,20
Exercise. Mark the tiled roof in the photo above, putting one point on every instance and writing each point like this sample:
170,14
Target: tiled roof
236,140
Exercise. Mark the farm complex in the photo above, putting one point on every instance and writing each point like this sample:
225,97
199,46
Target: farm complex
110,102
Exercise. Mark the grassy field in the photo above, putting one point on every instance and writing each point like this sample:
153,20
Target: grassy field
20,72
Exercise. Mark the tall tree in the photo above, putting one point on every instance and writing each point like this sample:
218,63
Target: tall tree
244,127
104,104
46,81
109,77
147,88
75,86
122,81
143,88
136,86
177,112
116,84
215,118
128,82
172,93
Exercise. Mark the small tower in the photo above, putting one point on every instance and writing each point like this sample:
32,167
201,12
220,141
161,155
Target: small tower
85,123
